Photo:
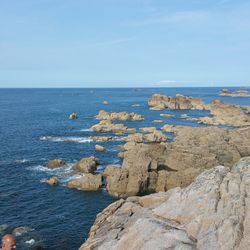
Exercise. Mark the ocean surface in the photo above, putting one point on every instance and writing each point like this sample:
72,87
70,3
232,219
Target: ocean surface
34,128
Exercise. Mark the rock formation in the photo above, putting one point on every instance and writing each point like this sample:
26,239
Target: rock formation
238,93
105,126
102,138
53,181
226,114
159,167
73,116
212,213
160,102
86,165
148,129
57,163
221,113
155,136
99,148
88,182
120,116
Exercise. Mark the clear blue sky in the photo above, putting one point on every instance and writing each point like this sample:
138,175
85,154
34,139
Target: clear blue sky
115,43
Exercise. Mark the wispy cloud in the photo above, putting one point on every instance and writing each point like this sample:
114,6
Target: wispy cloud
173,18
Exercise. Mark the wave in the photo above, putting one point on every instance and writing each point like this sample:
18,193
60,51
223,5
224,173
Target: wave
86,130
21,161
66,139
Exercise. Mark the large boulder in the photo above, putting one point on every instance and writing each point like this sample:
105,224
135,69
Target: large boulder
160,102
105,126
102,138
86,165
99,148
120,116
73,116
57,163
211,213
88,182
159,167
53,181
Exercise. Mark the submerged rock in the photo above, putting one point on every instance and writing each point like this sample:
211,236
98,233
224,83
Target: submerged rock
120,116
19,231
88,182
211,213
53,181
57,163
86,165
160,102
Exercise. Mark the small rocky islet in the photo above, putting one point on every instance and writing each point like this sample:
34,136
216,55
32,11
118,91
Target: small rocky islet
200,179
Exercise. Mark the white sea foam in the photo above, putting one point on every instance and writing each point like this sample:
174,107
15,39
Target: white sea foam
21,161
86,130
30,242
66,139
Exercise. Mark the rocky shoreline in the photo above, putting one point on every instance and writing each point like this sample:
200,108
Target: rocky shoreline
211,213
180,172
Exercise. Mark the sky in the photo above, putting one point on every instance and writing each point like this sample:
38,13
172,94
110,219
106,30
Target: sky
124,43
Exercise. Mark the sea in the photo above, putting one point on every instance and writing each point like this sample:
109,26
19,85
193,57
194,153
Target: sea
34,128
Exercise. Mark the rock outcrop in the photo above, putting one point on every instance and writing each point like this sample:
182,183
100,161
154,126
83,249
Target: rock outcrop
120,116
159,167
57,163
226,114
155,136
212,213
99,148
102,138
160,102
88,182
86,165
238,93
53,181
106,126
73,116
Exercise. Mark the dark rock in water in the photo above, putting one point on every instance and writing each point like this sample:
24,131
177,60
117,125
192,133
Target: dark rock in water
57,163
88,182
86,165
19,231
73,116
4,229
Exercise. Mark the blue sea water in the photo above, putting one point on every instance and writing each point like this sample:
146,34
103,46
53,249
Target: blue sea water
34,125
